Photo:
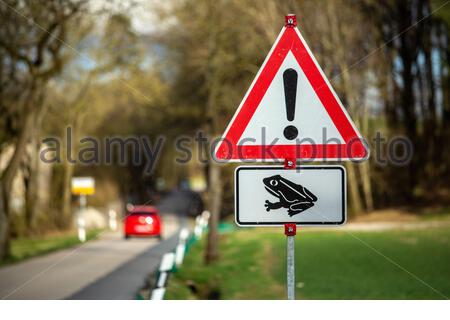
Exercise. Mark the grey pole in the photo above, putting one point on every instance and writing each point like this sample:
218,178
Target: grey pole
290,268
290,230
80,219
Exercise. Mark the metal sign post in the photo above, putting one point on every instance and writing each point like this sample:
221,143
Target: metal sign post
290,230
80,219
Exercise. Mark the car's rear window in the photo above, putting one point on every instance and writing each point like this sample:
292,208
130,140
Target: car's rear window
141,213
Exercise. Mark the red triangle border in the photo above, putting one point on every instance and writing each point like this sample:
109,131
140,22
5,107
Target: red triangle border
290,39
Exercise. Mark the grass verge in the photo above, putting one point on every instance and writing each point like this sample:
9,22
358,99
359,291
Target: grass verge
24,248
329,265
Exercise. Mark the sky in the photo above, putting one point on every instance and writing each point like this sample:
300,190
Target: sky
140,11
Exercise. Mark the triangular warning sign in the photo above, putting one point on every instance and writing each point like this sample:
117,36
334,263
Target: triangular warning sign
291,111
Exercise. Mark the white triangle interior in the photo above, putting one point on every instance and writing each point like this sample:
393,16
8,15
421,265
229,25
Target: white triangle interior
310,115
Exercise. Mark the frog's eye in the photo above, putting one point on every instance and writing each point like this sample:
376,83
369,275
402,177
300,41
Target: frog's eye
273,182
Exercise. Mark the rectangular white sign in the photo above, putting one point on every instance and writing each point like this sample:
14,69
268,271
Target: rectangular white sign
273,195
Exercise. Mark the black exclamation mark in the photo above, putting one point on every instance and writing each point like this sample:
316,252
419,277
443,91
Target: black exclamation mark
290,93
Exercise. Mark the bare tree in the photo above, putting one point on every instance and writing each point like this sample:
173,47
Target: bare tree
31,45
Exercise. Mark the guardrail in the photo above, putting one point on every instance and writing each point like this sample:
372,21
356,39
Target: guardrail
172,261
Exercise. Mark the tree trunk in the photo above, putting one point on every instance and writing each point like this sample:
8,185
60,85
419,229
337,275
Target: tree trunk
4,226
354,190
74,121
31,184
215,204
366,177
214,84
350,94
351,170
7,179
20,147
68,169
366,184
408,57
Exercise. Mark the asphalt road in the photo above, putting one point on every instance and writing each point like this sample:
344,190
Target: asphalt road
107,268
123,282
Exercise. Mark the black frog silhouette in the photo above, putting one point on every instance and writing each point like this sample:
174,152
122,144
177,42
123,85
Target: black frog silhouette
291,196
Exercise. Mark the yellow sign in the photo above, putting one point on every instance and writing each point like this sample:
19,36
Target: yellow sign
83,185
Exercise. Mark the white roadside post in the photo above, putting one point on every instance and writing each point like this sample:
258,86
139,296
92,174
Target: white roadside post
206,215
158,294
184,235
112,219
162,279
181,247
167,263
179,254
198,227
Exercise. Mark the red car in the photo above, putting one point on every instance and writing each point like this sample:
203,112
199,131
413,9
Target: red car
142,221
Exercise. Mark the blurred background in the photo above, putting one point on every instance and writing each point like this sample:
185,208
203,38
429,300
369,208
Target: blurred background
173,68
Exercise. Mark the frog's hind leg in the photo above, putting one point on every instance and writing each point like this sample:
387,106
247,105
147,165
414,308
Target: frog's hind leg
299,207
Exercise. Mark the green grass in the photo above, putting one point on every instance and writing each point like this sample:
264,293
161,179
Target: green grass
24,248
329,265
442,213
